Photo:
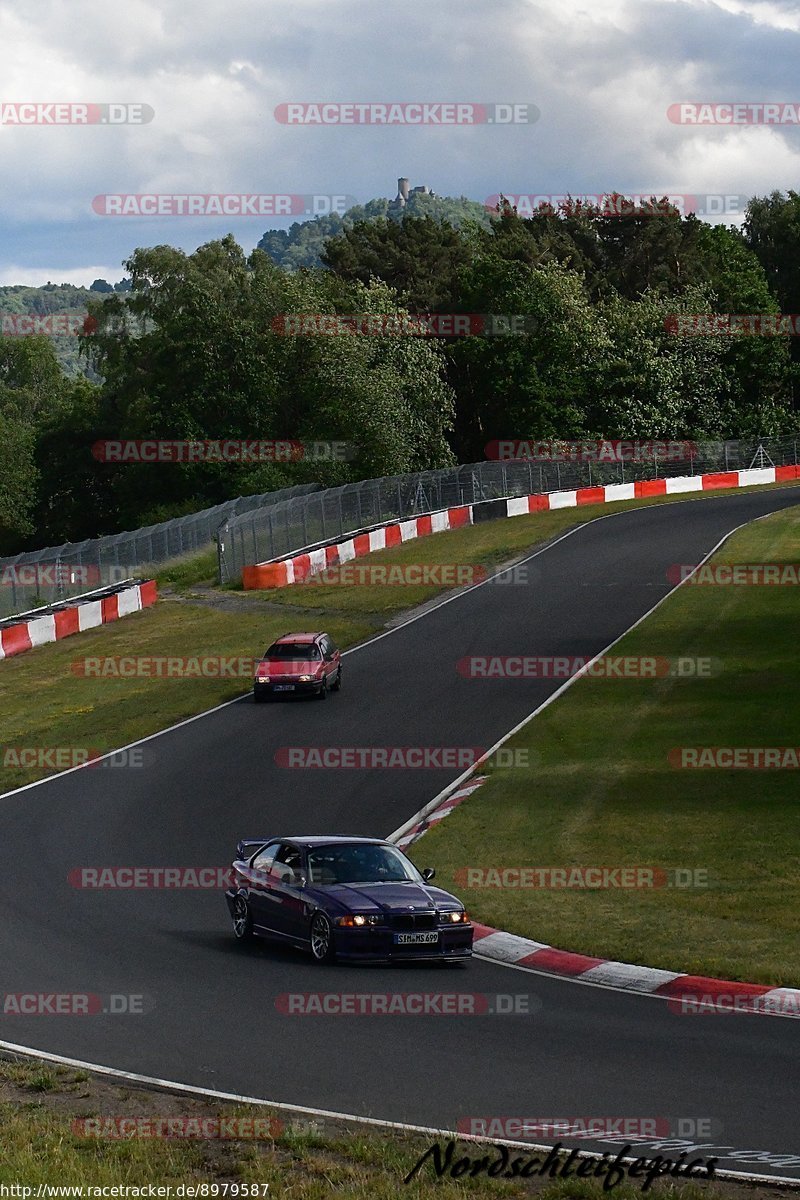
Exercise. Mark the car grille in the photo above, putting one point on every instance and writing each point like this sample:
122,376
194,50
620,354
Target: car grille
408,921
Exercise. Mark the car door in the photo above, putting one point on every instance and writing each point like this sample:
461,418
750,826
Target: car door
258,877
287,905
330,654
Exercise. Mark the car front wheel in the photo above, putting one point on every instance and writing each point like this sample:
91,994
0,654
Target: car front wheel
322,938
337,685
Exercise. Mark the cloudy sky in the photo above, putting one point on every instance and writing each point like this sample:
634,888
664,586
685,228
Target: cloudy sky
602,76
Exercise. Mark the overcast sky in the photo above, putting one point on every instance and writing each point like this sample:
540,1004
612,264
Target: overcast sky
602,76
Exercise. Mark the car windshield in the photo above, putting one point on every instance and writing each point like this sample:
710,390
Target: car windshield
360,864
294,651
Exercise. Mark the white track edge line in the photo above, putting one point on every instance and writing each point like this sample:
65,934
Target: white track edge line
432,804
235,1098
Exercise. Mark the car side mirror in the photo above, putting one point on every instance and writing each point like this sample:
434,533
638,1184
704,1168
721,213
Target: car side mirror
428,874
301,881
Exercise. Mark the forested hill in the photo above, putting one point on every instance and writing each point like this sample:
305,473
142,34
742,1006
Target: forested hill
302,245
53,300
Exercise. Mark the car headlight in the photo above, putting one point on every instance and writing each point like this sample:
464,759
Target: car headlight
305,678
262,678
359,920
454,918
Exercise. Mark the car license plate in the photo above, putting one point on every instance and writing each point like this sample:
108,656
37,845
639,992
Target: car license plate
284,687
405,939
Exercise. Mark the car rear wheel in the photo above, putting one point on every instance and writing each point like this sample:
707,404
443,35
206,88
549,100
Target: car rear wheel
322,939
336,686
242,920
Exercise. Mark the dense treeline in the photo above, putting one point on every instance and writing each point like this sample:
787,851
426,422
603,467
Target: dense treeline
194,347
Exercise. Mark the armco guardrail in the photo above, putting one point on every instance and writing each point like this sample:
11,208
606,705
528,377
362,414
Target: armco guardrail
292,526
43,577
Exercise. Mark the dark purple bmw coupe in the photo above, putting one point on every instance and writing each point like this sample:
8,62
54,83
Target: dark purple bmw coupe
344,897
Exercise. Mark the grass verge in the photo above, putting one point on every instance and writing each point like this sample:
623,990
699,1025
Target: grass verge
603,792
307,1159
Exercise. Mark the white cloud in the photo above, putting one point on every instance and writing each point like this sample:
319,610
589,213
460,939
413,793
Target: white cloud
602,75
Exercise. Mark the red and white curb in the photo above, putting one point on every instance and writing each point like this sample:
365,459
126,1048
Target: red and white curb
439,813
688,993
295,568
76,618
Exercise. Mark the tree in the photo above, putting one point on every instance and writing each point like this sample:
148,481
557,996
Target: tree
196,351
419,258
18,479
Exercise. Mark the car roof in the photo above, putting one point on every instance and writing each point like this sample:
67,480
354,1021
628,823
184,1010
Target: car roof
298,637
322,839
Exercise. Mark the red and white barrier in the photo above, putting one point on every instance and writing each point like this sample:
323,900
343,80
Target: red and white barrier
83,614
298,567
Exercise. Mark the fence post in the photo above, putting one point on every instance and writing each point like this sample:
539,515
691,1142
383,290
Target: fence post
221,533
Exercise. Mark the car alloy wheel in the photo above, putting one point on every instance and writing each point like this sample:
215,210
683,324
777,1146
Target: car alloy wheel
242,919
322,938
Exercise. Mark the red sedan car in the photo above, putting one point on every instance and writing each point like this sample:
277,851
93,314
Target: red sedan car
297,664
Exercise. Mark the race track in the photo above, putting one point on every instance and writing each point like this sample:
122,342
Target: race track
213,1020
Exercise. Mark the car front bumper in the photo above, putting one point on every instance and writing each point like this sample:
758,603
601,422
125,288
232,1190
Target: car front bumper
379,945
289,687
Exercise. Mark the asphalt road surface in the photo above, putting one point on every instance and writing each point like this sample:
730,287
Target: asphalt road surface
213,1015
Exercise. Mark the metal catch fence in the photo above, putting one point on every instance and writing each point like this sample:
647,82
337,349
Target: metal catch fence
295,524
41,577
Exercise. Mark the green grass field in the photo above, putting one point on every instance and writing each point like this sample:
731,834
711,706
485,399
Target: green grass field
39,1104
602,792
